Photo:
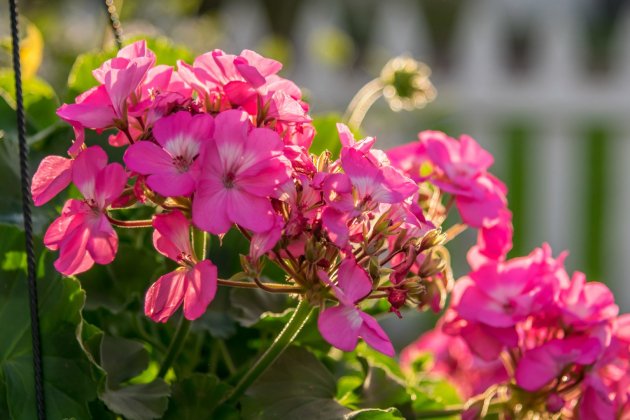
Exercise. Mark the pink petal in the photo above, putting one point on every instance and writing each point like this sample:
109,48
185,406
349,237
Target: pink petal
340,326
86,168
172,184
209,210
266,66
73,256
336,224
103,241
184,127
249,73
110,183
374,335
201,286
53,175
165,295
148,158
58,228
251,212
264,242
172,234
354,280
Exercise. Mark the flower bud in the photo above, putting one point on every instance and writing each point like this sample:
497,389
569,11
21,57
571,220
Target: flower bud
406,84
555,403
396,298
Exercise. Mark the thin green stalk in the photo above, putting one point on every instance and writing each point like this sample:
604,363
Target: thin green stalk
291,330
200,243
227,358
176,345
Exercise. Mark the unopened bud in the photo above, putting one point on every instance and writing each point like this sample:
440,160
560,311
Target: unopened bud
555,403
432,238
396,298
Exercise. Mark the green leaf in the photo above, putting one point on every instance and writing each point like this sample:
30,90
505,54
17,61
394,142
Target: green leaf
68,380
297,386
14,260
378,359
375,414
217,319
327,137
40,103
249,305
138,402
123,360
197,397
127,278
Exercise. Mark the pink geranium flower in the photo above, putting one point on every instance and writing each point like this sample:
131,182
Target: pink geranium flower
193,283
585,305
106,105
241,169
539,366
452,359
364,185
460,168
83,234
342,325
170,165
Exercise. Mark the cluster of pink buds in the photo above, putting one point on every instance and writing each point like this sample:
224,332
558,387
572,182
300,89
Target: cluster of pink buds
520,336
224,144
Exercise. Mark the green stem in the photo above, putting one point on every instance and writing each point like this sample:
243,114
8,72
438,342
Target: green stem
200,243
176,345
225,353
291,330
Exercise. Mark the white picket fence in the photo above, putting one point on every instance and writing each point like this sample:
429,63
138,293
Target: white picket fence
557,95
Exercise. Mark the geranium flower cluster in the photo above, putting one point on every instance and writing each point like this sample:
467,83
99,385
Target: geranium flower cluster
520,335
224,144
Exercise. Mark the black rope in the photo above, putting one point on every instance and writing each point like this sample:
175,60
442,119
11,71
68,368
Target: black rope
28,222
114,22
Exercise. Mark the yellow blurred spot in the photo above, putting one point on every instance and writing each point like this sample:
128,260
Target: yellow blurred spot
332,46
425,169
31,50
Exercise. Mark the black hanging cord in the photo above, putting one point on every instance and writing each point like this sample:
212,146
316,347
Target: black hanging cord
114,22
26,211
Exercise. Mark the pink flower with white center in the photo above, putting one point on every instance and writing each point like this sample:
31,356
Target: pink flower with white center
241,168
53,175
342,325
171,165
193,283
83,234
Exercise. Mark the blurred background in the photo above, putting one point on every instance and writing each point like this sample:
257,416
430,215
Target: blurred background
543,85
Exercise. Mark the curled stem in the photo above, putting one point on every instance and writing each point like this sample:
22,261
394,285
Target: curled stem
362,102
290,331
